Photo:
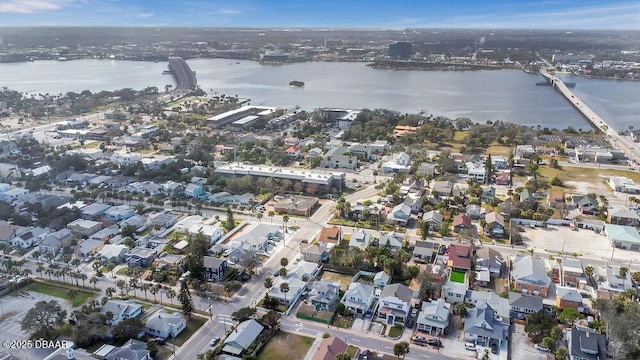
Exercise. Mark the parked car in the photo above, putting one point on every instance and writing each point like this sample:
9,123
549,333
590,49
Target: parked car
419,339
434,342
541,348
214,341
494,348
470,346
276,273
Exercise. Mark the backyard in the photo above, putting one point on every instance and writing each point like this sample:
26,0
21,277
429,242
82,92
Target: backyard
286,346
457,276
60,292
343,279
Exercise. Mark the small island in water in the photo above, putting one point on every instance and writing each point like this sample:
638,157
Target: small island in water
296,83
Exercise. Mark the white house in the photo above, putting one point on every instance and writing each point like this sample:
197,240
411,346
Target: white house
121,310
358,298
399,215
400,163
163,324
434,317
212,232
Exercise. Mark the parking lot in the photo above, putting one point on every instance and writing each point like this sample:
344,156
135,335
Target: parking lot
560,238
10,328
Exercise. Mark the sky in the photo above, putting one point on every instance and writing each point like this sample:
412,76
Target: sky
389,14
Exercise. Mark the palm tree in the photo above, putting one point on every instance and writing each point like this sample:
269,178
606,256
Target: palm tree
49,272
94,281
271,213
589,271
40,270
145,287
121,285
83,277
110,291
171,294
154,290
401,348
133,283
284,288
259,216
561,354
285,220
623,271
268,282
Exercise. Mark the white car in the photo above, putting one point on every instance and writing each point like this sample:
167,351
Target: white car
541,348
470,346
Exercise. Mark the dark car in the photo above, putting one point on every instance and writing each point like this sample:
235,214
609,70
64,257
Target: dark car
434,342
419,340
494,348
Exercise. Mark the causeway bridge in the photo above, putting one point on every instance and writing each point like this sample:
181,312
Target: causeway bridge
617,140
185,77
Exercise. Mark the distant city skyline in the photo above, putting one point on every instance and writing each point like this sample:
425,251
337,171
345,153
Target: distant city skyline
399,14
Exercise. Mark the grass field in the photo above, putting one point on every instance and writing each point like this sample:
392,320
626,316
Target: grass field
457,276
286,346
395,331
193,325
60,292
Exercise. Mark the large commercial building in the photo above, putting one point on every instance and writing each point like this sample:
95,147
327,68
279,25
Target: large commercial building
241,117
319,182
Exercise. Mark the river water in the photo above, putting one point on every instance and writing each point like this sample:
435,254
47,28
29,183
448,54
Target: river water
508,95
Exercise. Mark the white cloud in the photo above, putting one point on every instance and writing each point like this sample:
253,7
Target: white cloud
31,6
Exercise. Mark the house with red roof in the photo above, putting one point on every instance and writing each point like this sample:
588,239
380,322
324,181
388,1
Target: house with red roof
461,221
293,151
460,257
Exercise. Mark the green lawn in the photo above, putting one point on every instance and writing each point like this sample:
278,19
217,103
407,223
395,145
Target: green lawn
395,331
60,292
352,351
457,276
193,325
286,346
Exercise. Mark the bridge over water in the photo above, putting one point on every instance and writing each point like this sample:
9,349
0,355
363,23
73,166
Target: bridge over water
185,77
596,121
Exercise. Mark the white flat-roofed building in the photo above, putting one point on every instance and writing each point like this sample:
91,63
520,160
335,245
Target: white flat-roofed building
232,116
323,180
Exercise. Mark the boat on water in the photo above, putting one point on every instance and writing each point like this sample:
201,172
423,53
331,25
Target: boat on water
296,83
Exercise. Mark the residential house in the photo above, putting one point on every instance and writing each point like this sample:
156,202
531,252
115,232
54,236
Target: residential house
483,326
400,163
498,303
121,310
460,257
586,344
339,157
94,211
296,205
522,305
614,281
434,218
84,228
460,222
165,325
293,152
414,202
476,172
358,298
315,152
556,199
88,247
54,242
395,304
454,292
330,348
412,187
530,276
138,222
166,261
572,272
623,237
527,197
119,213
131,350
423,251
624,217
12,195
568,297
298,278
427,169
443,188
106,233
380,279
360,239
324,295
214,268
174,189
8,232
111,253
434,317
253,238
393,240
141,257
194,191
242,337
163,219
213,233
399,215
490,259
30,238
330,236
586,204
495,225
315,253
488,193
503,178
475,211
